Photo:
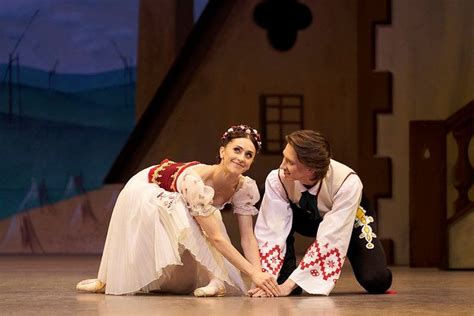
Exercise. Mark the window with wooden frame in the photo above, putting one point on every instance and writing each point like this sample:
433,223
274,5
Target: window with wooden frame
281,114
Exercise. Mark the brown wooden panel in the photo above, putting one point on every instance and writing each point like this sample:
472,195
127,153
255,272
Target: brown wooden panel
427,205
374,96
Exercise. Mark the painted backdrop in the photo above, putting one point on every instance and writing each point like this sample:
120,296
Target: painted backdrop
67,91
67,106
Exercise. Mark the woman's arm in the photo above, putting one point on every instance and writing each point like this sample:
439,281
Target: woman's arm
248,241
199,200
263,280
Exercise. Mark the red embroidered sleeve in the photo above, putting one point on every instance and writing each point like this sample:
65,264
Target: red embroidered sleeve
271,259
322,261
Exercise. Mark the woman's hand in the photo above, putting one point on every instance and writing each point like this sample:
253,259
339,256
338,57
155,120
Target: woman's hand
211,226
266,282
257,292
284,289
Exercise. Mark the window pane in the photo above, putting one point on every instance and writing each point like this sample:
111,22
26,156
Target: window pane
272,100
292,100
273,132
291,114
281,116
273,114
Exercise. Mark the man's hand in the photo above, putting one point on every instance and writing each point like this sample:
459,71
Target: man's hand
266,282
284,289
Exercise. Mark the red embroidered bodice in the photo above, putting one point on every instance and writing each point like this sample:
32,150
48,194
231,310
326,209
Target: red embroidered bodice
167,172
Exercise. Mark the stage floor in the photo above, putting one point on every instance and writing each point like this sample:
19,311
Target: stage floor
45,285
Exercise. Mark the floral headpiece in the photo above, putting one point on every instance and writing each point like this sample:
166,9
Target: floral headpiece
246,129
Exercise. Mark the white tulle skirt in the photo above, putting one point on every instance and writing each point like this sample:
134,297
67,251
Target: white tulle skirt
153,243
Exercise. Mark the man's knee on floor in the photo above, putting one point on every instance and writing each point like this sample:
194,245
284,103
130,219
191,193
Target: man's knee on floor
376,282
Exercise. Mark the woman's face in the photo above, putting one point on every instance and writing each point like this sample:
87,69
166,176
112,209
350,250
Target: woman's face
237,156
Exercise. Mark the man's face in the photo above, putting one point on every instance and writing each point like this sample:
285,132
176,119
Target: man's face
293,168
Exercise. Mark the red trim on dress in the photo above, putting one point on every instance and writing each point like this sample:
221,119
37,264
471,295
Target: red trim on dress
167,172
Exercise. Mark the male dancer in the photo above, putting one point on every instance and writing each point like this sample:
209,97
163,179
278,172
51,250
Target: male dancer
316,196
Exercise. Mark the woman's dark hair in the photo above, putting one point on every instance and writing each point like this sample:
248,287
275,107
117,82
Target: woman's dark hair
312,150
241,131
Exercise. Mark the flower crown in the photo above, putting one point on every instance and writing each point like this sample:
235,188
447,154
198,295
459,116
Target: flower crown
246,129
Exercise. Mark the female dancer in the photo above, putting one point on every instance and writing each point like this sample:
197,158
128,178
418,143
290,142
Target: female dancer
166,232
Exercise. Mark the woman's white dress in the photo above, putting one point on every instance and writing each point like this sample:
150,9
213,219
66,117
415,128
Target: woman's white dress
154,243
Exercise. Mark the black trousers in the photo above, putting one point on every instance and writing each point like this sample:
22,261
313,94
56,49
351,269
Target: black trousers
369,265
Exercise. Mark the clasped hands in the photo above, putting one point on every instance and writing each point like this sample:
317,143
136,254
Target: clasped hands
266,286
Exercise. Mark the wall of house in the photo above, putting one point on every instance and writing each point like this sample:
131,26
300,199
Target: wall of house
429,49
241,65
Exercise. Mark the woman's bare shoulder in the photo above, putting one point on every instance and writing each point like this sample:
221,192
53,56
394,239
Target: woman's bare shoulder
203,171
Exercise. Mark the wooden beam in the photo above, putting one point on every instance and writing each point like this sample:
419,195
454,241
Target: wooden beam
170,91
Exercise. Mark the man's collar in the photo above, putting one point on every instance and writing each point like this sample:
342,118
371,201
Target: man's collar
300,187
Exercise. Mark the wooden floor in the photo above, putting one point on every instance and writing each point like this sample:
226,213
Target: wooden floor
44,285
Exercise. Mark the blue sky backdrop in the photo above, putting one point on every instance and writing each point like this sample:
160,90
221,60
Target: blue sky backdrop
73,123
77,33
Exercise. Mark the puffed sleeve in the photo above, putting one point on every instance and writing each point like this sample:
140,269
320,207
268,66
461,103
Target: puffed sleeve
246,197
197,195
